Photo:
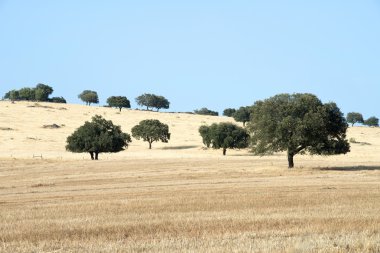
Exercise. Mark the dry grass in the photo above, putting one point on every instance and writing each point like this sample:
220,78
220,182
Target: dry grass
178,197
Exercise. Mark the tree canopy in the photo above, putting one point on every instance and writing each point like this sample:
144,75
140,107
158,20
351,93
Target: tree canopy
297,123
89,97
243,114
152,101
372,121
12,95
160,102
204,131
229,112
354,117
39,93
224,136
118,102
98,136
27,94
42,92
205,111
57,100
151,130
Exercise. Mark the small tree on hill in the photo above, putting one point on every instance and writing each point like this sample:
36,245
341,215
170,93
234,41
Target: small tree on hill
224,136
160,102
205,111
118,102
151,130
243,114
152,101
145,100
229,112
297,123
354,117
98,136
372,121
89,97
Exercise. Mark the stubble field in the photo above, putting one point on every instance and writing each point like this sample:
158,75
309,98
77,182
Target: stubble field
177,197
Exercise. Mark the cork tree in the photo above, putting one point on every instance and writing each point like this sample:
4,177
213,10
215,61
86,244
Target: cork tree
224,136
354,117
151,130
243,114
98,136
89,97
118,102
297,123
372,122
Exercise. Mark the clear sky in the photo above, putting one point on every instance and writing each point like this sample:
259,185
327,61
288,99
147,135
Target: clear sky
197,53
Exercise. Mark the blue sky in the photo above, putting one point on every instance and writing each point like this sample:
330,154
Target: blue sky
214,54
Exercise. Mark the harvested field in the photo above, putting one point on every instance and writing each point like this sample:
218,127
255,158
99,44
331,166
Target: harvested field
178,197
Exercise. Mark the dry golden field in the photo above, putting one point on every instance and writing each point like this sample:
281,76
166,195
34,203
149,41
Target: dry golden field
177,197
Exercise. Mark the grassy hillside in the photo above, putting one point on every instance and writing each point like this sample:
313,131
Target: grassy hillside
178,197
22,134
27,135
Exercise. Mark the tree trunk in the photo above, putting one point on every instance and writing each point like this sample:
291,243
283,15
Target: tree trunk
290,160
96,155
150,145
119,109
224,151
92,155
243,123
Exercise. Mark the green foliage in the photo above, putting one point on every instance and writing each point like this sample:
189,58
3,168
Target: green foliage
372,121
229,112
58,100
145,100
243,114
152,101
40,93
12,95
297,123
151,130
27,94
204,131
205,111
224,135
99,135
89,97
118,102
160,102
6,95
354,117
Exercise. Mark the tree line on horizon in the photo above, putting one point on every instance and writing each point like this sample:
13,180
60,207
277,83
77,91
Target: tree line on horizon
39,93
243,114
356,117
42,92
147,100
